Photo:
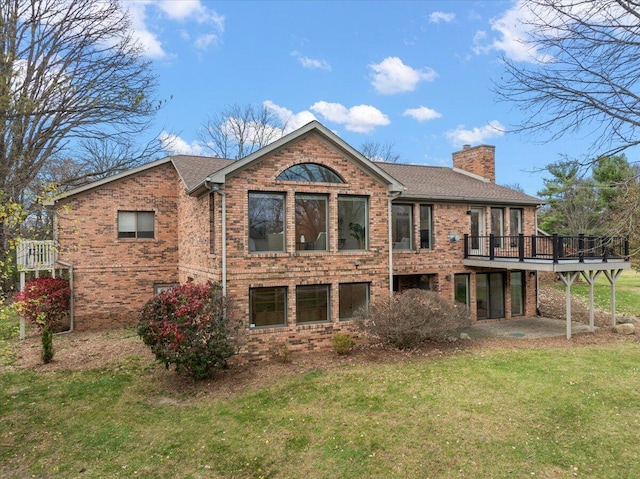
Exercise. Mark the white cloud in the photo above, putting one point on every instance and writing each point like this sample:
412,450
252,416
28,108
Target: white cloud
291,121
422,113
359,118
391,76
150,43
311,63
314,64
437,17
184,11
175,145
203,41
460,136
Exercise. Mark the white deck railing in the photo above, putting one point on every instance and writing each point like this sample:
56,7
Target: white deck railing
36,255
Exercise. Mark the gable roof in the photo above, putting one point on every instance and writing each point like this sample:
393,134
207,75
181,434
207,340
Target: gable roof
193,170
104,181
313,126
442,183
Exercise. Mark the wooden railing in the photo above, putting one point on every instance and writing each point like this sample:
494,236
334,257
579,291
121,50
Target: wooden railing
553,248
36,255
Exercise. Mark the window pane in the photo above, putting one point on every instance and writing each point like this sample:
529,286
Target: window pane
515,224
268,306
352,222
497,225
402,226
266,222
425,226
310,172
353,296
145,224
312,303
461,285
126,224
311,222
517,293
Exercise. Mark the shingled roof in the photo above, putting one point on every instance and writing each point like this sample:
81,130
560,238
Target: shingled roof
441,183
194,169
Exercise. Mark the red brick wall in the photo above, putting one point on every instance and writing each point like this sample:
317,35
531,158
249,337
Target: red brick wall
291,268
114,277
445,258
479,160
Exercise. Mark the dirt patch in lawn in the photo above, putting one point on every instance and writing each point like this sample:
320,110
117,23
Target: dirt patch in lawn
115,348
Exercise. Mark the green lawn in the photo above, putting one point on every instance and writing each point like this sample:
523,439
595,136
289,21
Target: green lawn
545,413
627,293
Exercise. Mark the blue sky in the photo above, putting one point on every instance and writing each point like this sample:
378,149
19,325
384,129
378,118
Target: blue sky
415,74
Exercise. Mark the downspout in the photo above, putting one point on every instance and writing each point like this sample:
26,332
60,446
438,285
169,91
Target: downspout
69,266
391,196
217,188
224,242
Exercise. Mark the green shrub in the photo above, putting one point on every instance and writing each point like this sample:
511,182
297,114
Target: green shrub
342,343
411,317
193,327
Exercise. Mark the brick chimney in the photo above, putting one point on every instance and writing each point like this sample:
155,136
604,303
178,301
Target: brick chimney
479,160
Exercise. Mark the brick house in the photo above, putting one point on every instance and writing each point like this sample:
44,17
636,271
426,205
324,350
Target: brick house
300,233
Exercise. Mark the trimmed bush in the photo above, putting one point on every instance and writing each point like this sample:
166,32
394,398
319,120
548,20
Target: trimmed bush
44,302
411,317
281,353
342,343
194,327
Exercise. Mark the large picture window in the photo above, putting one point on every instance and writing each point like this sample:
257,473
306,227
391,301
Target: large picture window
268,306
136,224
353,223
426,227
266,222
402,226
312,303
353,296
311,222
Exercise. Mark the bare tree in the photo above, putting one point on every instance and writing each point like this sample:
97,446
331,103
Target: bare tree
70,70
239,130
584,72
380,152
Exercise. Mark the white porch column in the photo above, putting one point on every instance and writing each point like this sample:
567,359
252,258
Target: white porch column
612,276
568,278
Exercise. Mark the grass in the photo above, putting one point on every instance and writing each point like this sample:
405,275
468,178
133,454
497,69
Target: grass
553,413
627,293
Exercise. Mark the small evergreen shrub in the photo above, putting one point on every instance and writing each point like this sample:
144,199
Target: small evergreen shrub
342,343
411,317
47,345
193,327
44,302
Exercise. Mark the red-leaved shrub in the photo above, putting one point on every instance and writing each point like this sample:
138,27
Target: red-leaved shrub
44,301
192,326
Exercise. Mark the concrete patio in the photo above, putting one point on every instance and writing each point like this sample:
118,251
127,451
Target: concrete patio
526,328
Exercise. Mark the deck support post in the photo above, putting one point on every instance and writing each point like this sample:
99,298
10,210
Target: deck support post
568,278
612,276
590,277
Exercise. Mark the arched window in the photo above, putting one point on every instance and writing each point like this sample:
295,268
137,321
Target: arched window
312,172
